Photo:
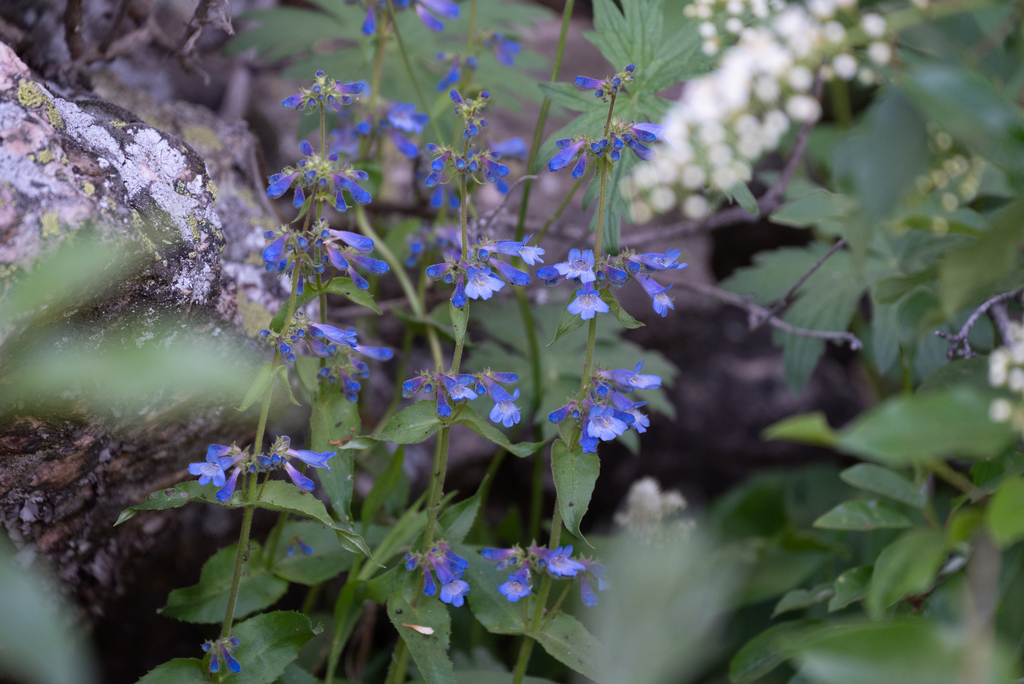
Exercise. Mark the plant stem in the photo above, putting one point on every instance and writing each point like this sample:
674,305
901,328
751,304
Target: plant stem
398,269
538,131
412,74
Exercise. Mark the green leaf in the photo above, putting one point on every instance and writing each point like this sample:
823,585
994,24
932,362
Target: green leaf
493,677
282,375
807,428
412,425
475,422
329,557
456,520
177,671
567,323
927,427
742,195
967,275
799,599
460,319
1005,514
569,642
620,314
346,288
258,387
293,674
575,474
334,418
813,208
283,496
776,570
862,514
268,643
850,586
891,290
382,487
430,651
907,566
174,497
206,601
767,651
886,482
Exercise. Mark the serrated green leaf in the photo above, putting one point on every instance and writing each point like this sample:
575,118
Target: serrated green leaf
620,314
382,487
475,422
808,428
742,195
890,290
798,599
206,601
258,387
569,642
927,427
412,425
293,674
907,566
328,559
174,497
850,587
346,288
767,650
813,208
492,610
456,520
282,376
886,482
1005,513
862,514
267,644
575,474
177,671
430,651
567,323
334,418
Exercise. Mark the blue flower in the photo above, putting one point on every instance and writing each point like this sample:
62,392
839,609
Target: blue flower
225,492
634,379
315,459
659,299
458,389
443,409
513,147
558,561
212,470
603,423
503,557
579,265
659,262
445,8
569,150
587,441
530,253
587,592
585,83
517,586
300,480
378,353
306,549
558,415
459,295
359,243
588,303
336,335
372,265
449,567
640,420
505,49
279,184
482,284
550,275
370,20
504,411
514,275
222,648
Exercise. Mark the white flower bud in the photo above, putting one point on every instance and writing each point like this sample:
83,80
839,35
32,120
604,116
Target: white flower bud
695,207
866,76
846,4
873,25
734,25
950,202
880,53
641,213
707,30
722,178
662,199
693,177
823,9
734,7
720,155
1000,411
803,108
800,78
834,32
845,66
709,48
767,89
704,12
1015,381
645,176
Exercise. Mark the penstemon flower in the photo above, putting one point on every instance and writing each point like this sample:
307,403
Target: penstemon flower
456,63
472,274
597,276
557,563
324,177
449,568
305,548
324,92
426,9
220,458
222,649
505,49
396,119
468,386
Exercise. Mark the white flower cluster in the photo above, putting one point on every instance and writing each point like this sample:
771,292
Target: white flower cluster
647,507
727,120
1006,369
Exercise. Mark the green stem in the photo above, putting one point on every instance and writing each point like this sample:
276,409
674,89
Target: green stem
398,269
412,74
538,131
236,579
525,651
311,596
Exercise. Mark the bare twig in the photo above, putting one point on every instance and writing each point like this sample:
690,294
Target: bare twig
122,11
1001,317
781,305
958,344
771,200
759,314
485,220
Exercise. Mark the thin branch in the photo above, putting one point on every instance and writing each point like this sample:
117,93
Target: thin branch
771,200
759,314
1001,317
485,221
958,344
781,305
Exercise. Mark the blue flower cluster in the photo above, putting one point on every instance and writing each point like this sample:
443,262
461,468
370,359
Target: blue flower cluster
505,49
472,274
220,458
425,9
621,135
609,87
326,177
558,563
445,240
326,92
306,549
466,386
449,567
594,278
222,649
606,412
397,119
456,63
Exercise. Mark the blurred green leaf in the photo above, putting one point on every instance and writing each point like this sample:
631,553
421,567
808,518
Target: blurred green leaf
206,601
886,482
177,671
620,314
460,319
346,288
293,674
568,641
430,651
798,599
259,386
334,418
475,422
575,474
768,650
850,586
329,557
456,520
927,427
382,487
742,195
268,643
862,514
907,566
808,428
567,323
491,609
38,641
412,425
813,208
1005,513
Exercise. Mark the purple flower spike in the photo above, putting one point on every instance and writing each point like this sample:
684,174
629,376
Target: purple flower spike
444,8
587,441
459,296
558,415
578,265
581,167
404,145
647,132
208,472
587,594
443,409
584,83
372,265
300,480
315,459
505,378
497,555
456,97
568,153
635,379
429,588
336,335
370,21
293,102
513,147
454,592
272,252
604,424
514,275
279,184
644,152
504,410
559,562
